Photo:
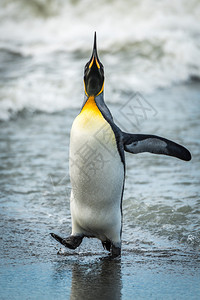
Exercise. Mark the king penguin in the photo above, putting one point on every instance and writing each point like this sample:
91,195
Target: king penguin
97,165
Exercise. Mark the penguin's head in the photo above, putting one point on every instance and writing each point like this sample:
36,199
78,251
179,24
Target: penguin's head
94,74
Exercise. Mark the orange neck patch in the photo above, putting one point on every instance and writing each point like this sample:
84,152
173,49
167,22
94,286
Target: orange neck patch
91,107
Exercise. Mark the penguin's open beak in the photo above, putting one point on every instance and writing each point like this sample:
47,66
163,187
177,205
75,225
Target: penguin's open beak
94,74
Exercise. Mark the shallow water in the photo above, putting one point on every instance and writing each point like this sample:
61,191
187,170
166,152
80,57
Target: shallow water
135,276
152,86
161,242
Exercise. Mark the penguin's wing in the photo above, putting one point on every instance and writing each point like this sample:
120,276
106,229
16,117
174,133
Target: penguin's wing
137,143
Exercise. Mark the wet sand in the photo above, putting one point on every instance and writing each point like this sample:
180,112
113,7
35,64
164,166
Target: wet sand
159,274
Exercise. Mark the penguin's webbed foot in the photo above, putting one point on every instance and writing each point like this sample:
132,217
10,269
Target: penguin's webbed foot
107,245
71,242
115,251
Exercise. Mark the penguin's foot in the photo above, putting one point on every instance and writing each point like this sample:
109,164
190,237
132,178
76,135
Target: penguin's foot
107,245
115,251
71,242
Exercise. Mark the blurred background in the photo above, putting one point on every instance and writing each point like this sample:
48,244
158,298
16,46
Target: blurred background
44,45
151,56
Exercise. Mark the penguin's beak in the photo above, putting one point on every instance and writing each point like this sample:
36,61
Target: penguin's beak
94,59
94,74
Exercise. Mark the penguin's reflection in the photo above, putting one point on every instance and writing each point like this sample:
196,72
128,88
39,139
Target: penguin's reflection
100,280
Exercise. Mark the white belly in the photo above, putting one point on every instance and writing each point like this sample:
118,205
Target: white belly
97,175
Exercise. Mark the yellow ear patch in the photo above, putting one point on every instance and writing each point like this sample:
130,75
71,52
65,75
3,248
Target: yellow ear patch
98,66
91,62
85,89
90,65
101,90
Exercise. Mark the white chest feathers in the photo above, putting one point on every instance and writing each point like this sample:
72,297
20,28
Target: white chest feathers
96,171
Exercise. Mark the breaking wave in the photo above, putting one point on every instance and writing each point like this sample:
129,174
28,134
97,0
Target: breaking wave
44,45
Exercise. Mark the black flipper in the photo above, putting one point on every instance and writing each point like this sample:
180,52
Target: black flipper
71,242
137,143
